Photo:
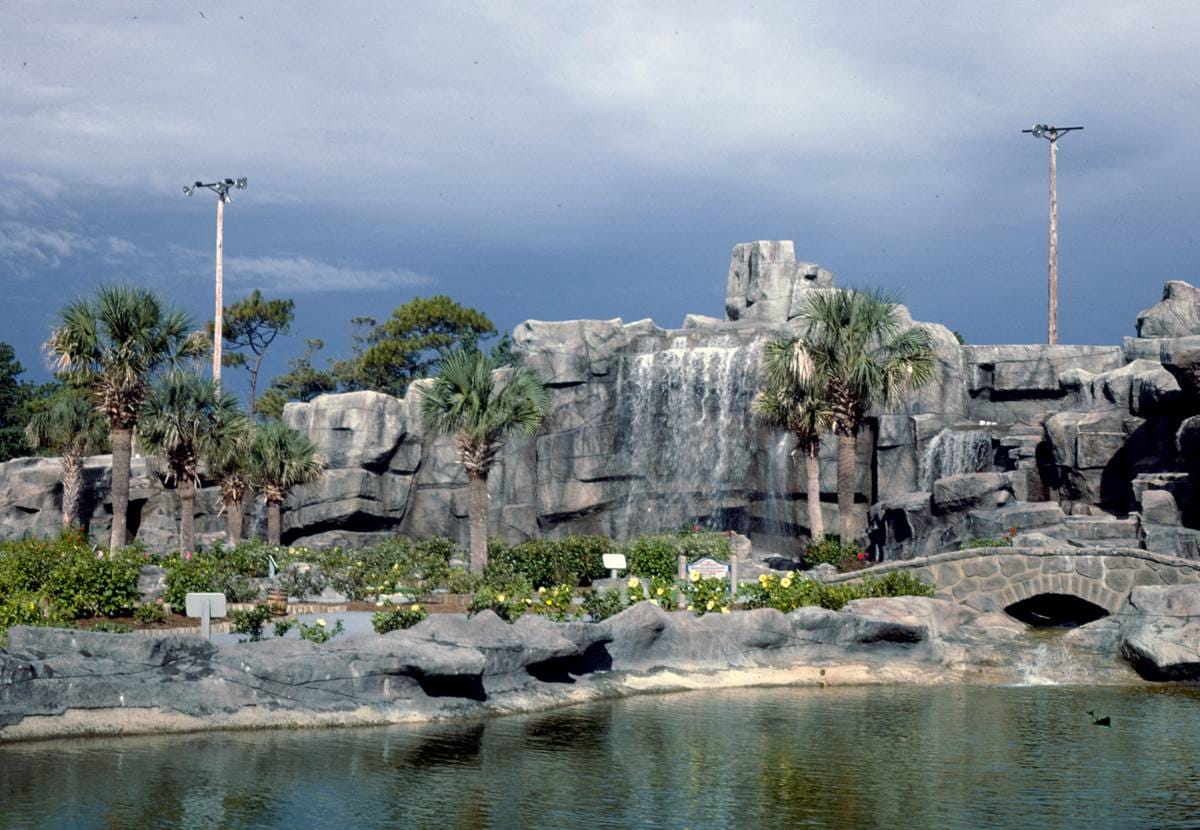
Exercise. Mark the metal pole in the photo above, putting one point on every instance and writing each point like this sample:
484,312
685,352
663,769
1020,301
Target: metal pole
1053,265
218,322
681,602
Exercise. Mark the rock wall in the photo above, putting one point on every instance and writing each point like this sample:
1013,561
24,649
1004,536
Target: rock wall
650,430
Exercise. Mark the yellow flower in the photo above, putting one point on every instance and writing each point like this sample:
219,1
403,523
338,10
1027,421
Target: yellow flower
549,603
499,597
660,592
694,576
321,623
790,574
415,607
396,567
691,608
786,582
763,578
633,582
528,601
542,590
358,564
709,606
724,609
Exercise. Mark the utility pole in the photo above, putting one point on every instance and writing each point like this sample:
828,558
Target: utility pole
221,188
1052,134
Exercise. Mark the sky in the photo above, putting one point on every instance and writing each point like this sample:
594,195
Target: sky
561,160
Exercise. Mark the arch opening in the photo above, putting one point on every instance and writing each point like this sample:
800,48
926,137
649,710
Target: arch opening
1056,611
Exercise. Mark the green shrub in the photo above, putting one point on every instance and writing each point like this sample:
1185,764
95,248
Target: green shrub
602,605
661,592
829,550
111,627
150,612
657,556
251,621
987,542
283,627
68,579
896,584
213,571
547,562
462,581
398,618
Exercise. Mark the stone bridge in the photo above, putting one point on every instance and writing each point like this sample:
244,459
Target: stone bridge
993,579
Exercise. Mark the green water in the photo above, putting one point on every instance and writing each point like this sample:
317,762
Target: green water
1020,757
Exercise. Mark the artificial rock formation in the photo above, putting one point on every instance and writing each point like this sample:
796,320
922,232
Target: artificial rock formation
650,429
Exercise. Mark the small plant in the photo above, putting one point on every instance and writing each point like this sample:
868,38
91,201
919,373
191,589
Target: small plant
149,613
397,618
110,627
462,581
788,592
662,592
1004,541
319,632
705,596
283,627
251,621
602,605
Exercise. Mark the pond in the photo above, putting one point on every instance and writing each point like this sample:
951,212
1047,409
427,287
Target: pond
948,757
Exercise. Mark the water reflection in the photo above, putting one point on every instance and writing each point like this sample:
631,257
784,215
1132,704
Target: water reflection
883,757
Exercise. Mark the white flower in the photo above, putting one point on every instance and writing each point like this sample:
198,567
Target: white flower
321,623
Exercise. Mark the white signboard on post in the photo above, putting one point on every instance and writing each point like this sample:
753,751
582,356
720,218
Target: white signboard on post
205,606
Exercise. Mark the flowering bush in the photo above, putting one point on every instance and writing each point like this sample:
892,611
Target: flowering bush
319,632
705,596
790,591
662,592
556,603
658,556
829,550
506,597
397,618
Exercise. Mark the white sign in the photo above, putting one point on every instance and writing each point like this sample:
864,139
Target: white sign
708,569
200,605
615,561
205,606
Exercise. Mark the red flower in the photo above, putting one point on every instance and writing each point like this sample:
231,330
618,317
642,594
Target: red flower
1012,531
862,555
695,528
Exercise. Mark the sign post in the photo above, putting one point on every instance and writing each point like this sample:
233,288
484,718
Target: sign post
205,606
614,562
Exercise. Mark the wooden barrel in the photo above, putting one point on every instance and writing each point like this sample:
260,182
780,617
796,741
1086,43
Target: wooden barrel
277,601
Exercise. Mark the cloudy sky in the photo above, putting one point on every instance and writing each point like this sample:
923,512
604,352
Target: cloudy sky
554,160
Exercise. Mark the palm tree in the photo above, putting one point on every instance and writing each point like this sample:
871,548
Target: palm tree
790,401
280,459
112,345
861,355
229,461
480,407
72,428
184,419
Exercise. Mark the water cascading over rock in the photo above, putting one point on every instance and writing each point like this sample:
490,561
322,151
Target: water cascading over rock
685,415
955,452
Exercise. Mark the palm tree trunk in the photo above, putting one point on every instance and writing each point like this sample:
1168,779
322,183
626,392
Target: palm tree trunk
477,508
233,515
812,470
122,450
72,482
274,521
847,462
187,514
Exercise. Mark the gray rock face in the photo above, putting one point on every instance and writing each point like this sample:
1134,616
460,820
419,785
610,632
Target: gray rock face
767,284
1176,315
454,666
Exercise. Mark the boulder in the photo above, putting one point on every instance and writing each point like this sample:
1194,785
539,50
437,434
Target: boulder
971,491
1160,631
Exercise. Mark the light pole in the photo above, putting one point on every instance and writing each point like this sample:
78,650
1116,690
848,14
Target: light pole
1052,134
221,188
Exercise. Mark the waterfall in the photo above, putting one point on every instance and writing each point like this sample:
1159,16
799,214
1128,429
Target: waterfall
1049,664
687,431
955,452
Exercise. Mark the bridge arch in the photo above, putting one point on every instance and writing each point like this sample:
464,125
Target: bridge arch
992,579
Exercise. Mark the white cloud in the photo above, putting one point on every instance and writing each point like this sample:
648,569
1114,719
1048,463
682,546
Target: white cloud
304,274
